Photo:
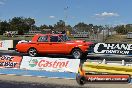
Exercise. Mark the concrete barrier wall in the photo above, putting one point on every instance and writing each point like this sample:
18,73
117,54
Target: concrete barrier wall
40,63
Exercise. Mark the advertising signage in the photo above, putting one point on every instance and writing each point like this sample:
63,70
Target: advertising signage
50,64
113,48
10,61
104,78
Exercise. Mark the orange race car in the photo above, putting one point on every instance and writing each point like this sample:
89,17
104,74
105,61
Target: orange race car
54,44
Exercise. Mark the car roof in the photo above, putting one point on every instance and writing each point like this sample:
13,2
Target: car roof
34,39
49,34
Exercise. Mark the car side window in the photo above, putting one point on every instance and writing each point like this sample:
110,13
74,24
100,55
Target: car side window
43,39
54,39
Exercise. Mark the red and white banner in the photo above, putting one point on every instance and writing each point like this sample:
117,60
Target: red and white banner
10,61
50,64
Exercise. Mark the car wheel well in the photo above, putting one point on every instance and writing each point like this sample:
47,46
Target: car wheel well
74,49
32,51
31,48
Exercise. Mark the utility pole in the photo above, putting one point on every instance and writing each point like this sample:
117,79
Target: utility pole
66,15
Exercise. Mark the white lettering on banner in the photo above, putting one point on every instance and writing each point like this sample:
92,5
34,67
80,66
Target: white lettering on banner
110,46
96,78
97,46
130,47
116,51
113,48
50,64
118,46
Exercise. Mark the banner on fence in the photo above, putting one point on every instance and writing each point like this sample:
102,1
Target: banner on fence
10,61
5,44
113,48
50,64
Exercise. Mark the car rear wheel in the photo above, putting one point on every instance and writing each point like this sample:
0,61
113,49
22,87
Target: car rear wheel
32,52
77,53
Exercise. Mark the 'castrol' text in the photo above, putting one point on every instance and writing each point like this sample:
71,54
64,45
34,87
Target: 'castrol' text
53,64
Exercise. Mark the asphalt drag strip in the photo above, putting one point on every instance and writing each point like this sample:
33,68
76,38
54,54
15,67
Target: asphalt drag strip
12,84
9,81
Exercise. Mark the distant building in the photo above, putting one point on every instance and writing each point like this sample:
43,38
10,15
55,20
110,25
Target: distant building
81,35
106,32
45,31
129,35
12,32
32,32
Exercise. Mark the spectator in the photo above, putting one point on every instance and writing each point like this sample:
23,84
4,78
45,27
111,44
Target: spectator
63,32
53,32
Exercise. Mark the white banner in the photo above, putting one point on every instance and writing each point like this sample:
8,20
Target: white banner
50,64
5,44
113,48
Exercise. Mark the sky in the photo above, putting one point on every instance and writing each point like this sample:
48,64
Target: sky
97,12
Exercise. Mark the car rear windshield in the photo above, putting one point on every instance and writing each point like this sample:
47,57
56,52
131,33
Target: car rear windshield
64,37
54,39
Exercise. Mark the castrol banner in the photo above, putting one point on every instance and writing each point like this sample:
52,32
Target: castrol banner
10,61
5,44
50,64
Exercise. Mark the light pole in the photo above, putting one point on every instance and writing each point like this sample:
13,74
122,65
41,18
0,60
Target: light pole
98,34
91,34
0,26
103,34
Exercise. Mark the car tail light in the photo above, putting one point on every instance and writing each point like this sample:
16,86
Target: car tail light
85,44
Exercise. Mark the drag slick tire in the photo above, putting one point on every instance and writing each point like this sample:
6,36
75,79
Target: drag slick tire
77,53
80,80
32,52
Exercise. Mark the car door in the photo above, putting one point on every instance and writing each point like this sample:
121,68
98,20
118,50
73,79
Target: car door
43,44
57,45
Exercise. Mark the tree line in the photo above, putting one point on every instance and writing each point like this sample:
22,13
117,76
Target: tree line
23,25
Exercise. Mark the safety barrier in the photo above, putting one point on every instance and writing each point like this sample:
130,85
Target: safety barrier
39,66
50,64
5,44
105,68
40,63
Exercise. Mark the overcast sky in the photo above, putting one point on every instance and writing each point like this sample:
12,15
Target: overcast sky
97,12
